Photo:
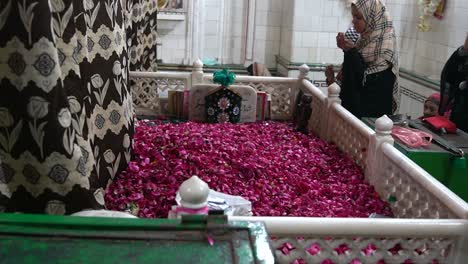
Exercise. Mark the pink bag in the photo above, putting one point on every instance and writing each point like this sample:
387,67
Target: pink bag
412,137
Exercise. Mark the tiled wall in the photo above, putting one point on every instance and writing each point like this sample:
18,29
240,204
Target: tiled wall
173,38
267,35
310,30
426,52
234,36
211,43
287,29
413,96
222,24
175,35
305,30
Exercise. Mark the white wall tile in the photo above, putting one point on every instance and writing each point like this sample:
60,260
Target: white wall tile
211,29
323,40
326,8
310,39
261,18
274,33
330,24
260,33
212,13
297,40
300,54
276,5
215,3
211,42
314,24
262,5
274,18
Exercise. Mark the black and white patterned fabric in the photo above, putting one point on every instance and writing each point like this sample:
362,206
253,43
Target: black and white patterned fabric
352,35
66,112
142,34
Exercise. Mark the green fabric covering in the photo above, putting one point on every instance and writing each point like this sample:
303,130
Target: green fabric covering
224,77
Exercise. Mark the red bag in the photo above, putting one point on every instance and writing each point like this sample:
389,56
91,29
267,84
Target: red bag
440,122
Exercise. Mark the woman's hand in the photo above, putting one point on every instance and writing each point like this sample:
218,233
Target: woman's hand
330,74
339,76
343,43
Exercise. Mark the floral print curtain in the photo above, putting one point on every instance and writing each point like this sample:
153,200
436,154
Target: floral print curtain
142,34
66,112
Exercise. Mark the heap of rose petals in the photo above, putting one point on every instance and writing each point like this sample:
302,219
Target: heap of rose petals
282,172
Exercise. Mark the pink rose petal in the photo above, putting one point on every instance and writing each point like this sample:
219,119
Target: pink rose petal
282,172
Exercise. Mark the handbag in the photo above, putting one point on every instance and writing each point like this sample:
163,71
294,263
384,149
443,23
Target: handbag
441,124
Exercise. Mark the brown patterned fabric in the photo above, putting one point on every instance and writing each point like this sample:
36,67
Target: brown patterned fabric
66,112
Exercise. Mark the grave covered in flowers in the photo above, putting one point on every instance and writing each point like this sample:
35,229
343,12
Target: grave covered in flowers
282,172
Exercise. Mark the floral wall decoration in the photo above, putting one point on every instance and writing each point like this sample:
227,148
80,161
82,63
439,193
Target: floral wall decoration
428,9
171,5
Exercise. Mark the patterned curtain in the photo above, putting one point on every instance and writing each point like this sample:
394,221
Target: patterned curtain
142,35
66,112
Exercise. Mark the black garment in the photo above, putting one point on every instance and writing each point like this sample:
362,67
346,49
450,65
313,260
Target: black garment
374,98
352,72
377,94
460,110
453,94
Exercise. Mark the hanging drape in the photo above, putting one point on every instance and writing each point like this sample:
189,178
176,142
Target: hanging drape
66,112
142,34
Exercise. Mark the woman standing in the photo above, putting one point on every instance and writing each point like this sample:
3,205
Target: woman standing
370,68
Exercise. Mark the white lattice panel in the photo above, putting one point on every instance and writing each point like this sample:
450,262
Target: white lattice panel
145,95
147,90
414,193
316,121
349,134
362,250
280,97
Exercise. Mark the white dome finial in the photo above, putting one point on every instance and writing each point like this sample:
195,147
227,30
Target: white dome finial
334,90
194,193
384,125
198,64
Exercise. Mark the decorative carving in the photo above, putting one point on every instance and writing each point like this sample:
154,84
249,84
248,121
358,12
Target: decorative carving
347,138
147,92
280,97
362,250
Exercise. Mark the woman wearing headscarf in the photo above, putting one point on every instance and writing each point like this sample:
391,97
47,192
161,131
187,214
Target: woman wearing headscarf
370,68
